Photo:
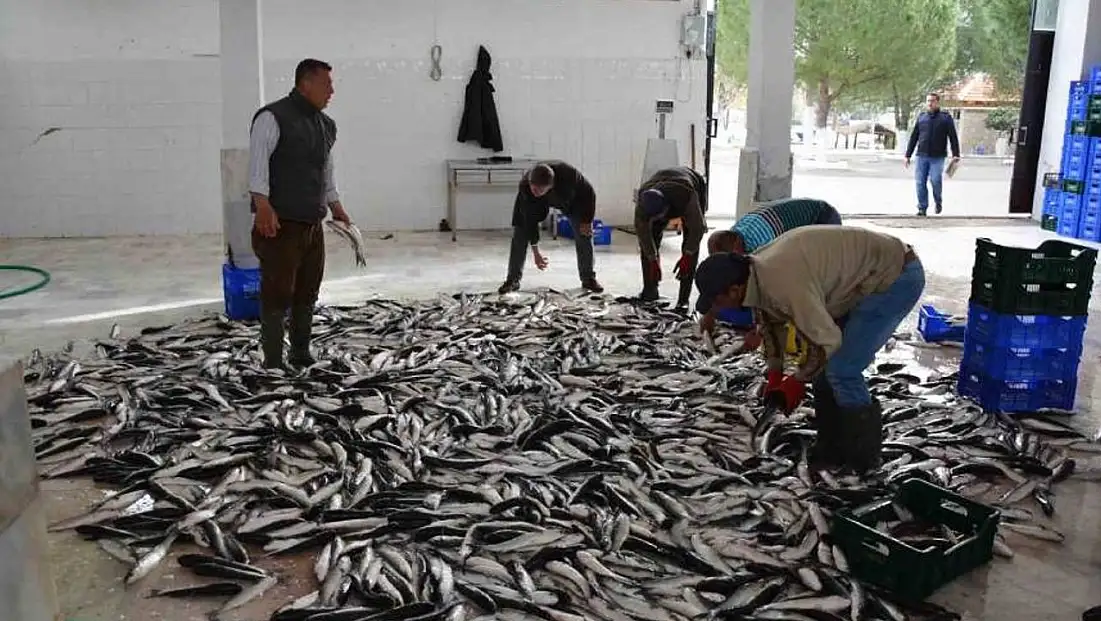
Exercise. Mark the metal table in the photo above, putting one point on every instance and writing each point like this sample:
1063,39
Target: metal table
484,174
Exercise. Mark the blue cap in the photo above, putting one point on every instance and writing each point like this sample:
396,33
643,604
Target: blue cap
718,273
653,203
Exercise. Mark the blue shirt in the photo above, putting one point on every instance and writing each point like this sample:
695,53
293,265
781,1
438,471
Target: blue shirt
772,220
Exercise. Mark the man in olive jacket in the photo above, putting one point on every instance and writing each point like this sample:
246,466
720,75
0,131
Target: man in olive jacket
678,192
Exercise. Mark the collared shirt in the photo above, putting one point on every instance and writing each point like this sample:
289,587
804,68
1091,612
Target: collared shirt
262,143
813,276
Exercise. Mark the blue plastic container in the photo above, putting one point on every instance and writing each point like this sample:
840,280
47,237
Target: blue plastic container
241,289
1070,214
1053,201
1032,331
602,235
1013,364
1095,80
738,317
934,327
1016,396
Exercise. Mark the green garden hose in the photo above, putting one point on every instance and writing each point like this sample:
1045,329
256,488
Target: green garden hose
45,280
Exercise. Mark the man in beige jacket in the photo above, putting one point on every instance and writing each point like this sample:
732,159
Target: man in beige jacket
846,289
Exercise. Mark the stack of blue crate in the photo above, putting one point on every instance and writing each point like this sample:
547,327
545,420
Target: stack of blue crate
1025,323
1073,209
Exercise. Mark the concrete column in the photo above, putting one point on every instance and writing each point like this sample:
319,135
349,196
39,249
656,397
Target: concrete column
27,588
769,110
1077,48
242,93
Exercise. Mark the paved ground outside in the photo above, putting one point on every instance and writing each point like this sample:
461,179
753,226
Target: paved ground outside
872,183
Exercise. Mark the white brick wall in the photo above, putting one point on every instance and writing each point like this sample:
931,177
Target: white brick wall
134,87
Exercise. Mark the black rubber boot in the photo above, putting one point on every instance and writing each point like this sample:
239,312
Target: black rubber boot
649,285
301,328
509,286
686,286
271,338
863,427
828,452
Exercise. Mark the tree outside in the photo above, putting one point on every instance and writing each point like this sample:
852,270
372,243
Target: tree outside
886,56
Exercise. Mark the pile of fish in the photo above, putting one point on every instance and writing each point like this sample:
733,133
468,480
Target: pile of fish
501,457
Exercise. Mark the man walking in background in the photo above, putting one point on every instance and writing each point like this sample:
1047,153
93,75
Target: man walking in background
292,188
932,132
552,184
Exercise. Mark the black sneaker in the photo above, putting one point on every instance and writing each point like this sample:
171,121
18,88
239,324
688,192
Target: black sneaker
1093,614
509,286
590,284
921,213
939,208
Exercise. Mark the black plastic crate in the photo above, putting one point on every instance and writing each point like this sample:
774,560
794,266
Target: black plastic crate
1031,299
910,573
1052,262
1049,222
1053,180
1073,186
1085,128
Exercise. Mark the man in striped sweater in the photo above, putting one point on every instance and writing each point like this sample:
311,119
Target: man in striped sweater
758,228
769,221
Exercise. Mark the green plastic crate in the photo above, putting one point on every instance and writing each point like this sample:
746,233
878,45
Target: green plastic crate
1052,262
1086,128
1055,278
907,572
1074,187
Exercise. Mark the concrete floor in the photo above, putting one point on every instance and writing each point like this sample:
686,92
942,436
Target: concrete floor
138,282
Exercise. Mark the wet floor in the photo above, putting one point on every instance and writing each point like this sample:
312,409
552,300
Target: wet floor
139,282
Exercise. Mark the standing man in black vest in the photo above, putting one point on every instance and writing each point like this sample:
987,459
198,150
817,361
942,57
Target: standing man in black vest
292,187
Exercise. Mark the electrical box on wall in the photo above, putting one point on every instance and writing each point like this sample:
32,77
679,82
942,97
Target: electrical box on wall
693,33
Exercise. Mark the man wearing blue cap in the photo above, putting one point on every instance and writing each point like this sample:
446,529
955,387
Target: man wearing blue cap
678,192
846,289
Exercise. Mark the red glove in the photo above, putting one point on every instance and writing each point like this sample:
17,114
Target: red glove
653,269
774,379
789,391
683,267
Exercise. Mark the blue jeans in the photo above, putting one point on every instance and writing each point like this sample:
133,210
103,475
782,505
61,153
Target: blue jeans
868,327
928,169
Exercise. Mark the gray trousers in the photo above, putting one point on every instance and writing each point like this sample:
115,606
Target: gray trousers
583,245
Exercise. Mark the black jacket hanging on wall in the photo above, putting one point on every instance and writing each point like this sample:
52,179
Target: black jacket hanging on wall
480,120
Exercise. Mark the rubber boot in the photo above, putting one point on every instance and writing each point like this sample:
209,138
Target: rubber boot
686,289
864,427
271,338
649,285
828,451
301,327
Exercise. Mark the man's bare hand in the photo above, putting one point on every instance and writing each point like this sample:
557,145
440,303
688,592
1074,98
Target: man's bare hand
339,214
906,163
751,341
585,229
265,221
541,262
707,324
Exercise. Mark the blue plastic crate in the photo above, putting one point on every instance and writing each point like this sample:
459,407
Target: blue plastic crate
995,395
1021,363
1070,214
1053,201
1079,92
738,317
934,325
1089,226
602,235
1033,331
1095,80
241,289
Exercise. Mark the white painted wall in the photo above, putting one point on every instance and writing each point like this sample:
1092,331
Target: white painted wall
1077,47
134,88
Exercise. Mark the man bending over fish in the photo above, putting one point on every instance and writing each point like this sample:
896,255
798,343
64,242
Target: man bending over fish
678,192
759,228
552,184
292,188
846,289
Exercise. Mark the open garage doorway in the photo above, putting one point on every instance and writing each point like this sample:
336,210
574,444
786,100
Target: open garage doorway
850,127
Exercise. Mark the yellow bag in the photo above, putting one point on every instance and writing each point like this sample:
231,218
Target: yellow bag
796,346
